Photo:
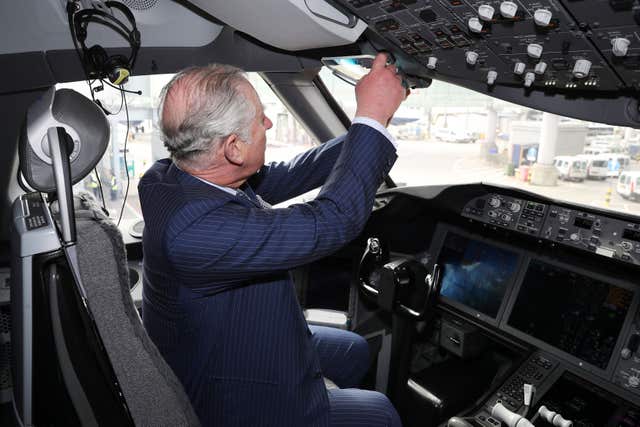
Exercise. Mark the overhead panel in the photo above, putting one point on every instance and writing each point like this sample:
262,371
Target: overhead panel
591,46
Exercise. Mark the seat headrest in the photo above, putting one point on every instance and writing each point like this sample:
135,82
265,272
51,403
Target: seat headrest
84,122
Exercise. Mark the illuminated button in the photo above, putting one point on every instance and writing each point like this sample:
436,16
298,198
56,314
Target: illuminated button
471,57
534,50
519,67
529,78
475,26
486,12
542,17
491,77
540,68
581,68
508,9
620,46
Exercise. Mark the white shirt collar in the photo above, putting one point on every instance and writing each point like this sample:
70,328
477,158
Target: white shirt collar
229,190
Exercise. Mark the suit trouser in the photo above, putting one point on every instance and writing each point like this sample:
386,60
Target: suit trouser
344,359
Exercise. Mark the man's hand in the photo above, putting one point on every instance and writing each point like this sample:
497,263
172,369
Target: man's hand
379,93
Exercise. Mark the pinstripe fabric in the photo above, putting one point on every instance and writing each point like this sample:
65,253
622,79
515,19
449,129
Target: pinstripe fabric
359,408
217,298
343,355
344,358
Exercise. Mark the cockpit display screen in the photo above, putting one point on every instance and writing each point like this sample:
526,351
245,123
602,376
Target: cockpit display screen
476,274
578,314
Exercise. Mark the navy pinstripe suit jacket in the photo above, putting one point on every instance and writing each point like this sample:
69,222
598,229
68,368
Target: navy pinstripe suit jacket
217,298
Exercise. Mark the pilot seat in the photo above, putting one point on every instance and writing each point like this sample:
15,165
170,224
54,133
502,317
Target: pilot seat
81,355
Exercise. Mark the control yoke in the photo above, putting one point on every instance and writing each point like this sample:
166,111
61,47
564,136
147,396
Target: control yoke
402,285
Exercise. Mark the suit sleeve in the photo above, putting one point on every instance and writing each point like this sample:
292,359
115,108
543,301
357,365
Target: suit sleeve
235,242
279,181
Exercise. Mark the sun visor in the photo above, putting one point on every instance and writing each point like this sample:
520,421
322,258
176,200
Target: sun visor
289,24
88,136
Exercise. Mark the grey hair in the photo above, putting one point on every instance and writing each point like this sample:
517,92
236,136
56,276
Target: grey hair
214,108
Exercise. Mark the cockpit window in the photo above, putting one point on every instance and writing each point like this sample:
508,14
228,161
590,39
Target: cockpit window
144,146
444,137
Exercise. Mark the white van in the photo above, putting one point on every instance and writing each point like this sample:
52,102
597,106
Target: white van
452,135
597,166
629,185
571,168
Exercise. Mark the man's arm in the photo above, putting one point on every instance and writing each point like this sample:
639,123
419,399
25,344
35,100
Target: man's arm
232,243
235,242
280,181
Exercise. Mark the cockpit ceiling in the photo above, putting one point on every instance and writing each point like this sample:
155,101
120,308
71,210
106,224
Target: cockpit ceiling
42,25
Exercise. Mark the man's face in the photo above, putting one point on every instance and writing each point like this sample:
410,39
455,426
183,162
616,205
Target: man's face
254,158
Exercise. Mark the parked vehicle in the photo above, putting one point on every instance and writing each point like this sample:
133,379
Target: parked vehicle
629,185
571,168
595,151
452,135
597,166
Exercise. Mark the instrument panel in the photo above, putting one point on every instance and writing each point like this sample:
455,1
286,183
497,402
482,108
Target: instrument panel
589,320
591,45
596,233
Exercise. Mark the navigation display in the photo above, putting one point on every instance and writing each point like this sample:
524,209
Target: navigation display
578,314
476,274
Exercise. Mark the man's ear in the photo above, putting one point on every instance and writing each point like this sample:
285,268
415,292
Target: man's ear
233,149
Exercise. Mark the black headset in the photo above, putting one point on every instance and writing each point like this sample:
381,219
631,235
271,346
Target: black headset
97,63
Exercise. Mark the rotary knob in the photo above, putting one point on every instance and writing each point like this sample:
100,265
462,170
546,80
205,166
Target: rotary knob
625,353
581,68
514,207
471,57
540,67
620,46
627,246
542,17
529,78
519,67
491,77
574,237
485,12
633,381
494,202
475,26
534,50
508,9
432,62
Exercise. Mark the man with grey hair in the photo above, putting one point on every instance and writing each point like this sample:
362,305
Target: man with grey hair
217,298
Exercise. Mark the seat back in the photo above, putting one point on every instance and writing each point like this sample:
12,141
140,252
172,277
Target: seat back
81,355
152,392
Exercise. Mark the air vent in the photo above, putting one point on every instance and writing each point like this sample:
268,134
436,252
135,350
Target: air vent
140,4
